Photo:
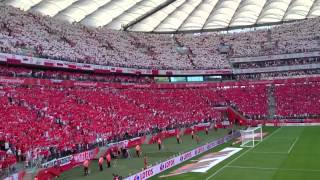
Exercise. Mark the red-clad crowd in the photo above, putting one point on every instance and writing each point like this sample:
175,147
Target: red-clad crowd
298,100
44,121
38,122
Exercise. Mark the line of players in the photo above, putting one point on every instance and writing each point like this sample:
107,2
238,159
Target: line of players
138,149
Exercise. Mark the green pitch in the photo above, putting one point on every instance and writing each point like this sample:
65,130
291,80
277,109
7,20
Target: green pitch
287,153
124,167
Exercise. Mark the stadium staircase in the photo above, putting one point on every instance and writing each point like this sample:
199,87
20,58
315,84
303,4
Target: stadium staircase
232,114
271,102
235,115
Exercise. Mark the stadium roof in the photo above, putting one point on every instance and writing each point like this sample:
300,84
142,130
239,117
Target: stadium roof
172,15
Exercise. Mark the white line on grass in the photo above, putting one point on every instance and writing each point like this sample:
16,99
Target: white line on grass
219,170
291,147
257,152
281,169
284,138
249,167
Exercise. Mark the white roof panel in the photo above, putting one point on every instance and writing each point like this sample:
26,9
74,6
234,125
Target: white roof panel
174,15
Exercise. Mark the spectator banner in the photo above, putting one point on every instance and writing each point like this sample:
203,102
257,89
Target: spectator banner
201,126
72,159
127,143
80,157
70,83
18,59
58,162
154,170
163,135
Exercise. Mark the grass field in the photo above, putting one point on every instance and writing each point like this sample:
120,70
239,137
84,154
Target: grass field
287,153
126,166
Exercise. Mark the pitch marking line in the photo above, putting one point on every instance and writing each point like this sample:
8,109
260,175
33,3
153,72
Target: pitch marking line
271,169
284,138
291,147
257,152
248,150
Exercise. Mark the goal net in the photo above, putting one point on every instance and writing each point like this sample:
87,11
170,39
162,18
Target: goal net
251,136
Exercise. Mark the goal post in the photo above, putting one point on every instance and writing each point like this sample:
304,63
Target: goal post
251,136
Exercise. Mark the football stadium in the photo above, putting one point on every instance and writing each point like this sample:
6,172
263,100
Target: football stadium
160,89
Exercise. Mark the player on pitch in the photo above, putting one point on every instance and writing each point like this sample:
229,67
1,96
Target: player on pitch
192,134
138,150
86,167
145,161
100,163
109,160
178,138
159,144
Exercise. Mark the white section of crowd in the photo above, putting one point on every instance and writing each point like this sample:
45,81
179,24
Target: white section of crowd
28,33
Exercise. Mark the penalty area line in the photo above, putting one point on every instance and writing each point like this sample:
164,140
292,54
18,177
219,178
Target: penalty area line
244,153
257,152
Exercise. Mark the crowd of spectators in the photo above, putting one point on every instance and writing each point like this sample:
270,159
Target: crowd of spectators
300,100
66,75
42,121
36,35
39,123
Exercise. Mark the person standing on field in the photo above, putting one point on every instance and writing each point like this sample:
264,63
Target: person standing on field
86,167
197,139
109,160
138,150
145,161
159,144
192,134
100,163
178,138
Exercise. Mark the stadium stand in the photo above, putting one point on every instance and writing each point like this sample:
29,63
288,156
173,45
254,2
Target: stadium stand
39,123
61,120
298,100
29,33
65,75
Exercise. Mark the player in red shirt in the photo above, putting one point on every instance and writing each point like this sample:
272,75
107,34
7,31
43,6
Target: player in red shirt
86,167
145,160
159,143
138,150
178,138
100,163
192,134
109,160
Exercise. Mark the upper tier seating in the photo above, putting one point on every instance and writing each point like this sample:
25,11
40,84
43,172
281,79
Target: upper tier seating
35,35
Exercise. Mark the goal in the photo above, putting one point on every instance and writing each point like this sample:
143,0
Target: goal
251,136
